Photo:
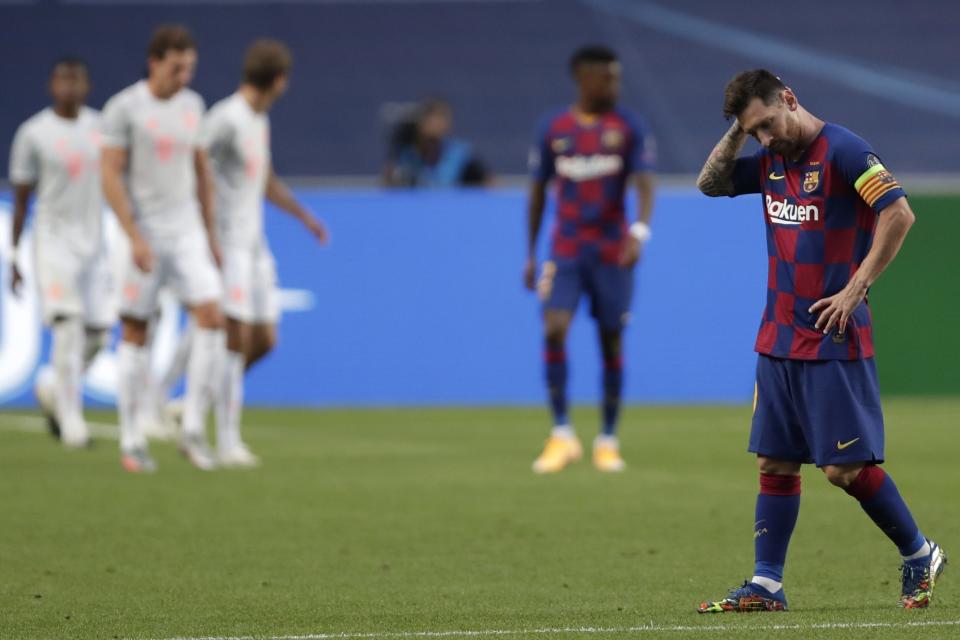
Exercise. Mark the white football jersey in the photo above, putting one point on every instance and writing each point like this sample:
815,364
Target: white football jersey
161,137
237,139
62,158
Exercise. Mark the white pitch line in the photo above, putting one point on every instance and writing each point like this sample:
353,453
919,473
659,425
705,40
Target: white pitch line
36,424
650,628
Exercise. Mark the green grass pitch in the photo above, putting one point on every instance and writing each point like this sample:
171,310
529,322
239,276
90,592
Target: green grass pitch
401,523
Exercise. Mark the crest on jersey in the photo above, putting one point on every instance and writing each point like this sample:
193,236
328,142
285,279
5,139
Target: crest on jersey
811,180
612,139
559,145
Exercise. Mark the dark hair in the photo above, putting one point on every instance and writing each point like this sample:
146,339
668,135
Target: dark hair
266,60
431,105
591,54
169,37
745,86
68,61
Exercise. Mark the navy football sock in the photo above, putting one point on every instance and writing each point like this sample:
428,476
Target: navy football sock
555,358
778,506
612,391
879,497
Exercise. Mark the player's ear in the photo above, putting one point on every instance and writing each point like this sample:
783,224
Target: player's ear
789,98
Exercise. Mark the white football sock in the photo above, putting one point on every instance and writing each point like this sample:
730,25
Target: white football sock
67,357
921,552
45,388
94,342
767,583
178,365
230,402
203,367
149,400
563,431
132,390
603,440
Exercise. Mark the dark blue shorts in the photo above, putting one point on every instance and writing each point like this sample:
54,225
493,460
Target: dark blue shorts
608,286
820,411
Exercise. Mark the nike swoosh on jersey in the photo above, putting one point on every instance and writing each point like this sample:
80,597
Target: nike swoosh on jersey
773,176
844,445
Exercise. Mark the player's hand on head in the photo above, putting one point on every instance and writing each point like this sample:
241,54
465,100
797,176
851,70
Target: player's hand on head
530,274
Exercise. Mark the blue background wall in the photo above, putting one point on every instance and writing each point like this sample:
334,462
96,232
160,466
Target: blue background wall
885,68
418,300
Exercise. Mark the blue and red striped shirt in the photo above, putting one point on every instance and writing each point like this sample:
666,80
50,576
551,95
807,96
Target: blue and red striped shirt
821,215
592,162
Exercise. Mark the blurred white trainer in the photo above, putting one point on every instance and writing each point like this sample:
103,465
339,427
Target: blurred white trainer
238,455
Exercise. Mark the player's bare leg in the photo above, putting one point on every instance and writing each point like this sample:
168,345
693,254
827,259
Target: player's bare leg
263,340
562,446
203,373
606,447
231,450
133,388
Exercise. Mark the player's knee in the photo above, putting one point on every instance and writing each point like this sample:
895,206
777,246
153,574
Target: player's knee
842,475
268,342
774,467
265,341
134,331
555,330
238,335
611,344
208,316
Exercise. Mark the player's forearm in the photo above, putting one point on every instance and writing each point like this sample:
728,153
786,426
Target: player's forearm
205,191
115,193
279,194
21,198
205,197
535,208
894,223
716,177
645,194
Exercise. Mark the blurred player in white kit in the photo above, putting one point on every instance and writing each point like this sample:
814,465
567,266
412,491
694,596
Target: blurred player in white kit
57,154
236,133
156,179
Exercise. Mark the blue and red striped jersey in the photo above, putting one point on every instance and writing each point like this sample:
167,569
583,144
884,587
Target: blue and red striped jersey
821,215
591,162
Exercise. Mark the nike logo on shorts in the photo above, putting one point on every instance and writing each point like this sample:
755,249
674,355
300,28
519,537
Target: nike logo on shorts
843,445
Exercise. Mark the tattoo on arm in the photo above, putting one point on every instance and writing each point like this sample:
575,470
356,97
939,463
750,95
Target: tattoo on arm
716,177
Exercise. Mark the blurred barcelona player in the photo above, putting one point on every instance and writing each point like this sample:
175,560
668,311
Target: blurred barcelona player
592,152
